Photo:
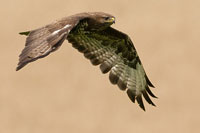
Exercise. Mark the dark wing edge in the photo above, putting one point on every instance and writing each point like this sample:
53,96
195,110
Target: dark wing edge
42,41
111,49
137,82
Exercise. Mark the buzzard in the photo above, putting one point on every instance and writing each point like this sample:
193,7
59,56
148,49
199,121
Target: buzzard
91,34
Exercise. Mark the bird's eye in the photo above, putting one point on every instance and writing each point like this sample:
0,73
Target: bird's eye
106,18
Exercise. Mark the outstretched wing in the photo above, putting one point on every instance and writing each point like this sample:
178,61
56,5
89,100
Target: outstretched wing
41,42
114,52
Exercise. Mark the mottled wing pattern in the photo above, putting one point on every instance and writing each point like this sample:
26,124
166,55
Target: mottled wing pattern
42,41
114,52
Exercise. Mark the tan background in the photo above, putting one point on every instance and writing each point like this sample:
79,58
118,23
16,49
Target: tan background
65,93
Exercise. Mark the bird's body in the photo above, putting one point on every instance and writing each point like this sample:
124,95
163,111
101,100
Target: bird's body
91,34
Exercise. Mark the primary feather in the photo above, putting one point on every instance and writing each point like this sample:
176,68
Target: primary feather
91,34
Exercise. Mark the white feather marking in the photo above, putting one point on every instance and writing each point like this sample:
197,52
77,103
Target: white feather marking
55,32
66,26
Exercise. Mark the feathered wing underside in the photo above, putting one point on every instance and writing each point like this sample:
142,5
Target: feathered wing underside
114,52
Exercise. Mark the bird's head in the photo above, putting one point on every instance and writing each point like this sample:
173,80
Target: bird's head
101,20
104,18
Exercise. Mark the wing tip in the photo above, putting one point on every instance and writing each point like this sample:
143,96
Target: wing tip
140,102
150,93
139,99
149,82
17,68
20,66
131,95
147,98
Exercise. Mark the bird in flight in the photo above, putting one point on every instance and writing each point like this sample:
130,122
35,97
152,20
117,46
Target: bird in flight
91,34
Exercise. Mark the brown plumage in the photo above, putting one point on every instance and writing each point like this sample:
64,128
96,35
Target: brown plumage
91,34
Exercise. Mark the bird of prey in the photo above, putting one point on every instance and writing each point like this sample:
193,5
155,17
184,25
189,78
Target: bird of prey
91,34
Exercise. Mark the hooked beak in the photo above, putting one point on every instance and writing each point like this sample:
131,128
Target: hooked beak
111,20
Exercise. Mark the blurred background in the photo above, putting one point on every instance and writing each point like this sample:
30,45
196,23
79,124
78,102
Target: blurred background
65,93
